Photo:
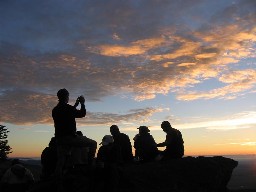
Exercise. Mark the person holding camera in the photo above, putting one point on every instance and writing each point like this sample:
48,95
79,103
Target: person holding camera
64,117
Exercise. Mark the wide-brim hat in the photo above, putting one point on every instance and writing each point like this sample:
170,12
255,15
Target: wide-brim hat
143,129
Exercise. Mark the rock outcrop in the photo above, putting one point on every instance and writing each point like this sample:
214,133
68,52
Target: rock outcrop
187,174
190,174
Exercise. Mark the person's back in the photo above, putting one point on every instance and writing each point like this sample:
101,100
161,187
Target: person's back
175,147
64,120
49,159
109,160
109,155
145,145
123,141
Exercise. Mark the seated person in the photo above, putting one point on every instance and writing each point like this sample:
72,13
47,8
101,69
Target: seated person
49,159
17,178
174,142
64,117
145,145
109,160
123,141
80,154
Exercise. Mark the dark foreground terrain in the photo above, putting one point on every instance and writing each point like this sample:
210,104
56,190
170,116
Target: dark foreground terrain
188,174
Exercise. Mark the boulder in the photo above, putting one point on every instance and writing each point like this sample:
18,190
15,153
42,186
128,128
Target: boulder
189,174
186,174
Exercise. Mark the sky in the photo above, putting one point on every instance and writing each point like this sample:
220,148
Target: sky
136,62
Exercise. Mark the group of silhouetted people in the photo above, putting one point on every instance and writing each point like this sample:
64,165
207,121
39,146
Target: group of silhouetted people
70,147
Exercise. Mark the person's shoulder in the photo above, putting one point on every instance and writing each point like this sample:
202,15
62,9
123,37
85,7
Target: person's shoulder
151,136
46,149
176,130
61,106
55,108
68,105
124,135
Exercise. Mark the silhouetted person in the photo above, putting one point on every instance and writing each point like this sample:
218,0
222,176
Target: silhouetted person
17,178
80,155
109,160
123,141
49,159
64,116
173,142
145,145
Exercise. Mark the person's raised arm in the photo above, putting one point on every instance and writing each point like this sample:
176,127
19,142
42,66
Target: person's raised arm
77,102
82,112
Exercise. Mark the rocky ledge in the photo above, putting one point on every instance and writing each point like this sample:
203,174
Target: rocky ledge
189,174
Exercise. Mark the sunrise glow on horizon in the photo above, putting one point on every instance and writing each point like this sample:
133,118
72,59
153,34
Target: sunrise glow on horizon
137,62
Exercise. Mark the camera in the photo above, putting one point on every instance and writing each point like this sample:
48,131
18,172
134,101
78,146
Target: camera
81,98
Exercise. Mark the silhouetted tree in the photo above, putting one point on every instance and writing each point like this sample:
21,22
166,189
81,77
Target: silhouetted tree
5,149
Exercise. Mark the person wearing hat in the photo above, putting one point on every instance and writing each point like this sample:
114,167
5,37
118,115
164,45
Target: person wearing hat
174,142
108,160
123,141
145,145
108,152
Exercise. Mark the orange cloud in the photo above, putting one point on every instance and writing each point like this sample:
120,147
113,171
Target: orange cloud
135,48
205,55
188,48
186,64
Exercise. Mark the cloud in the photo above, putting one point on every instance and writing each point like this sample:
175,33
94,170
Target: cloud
238,82
135,115
245,143
27,107
24,107
247,75
136,48
241,120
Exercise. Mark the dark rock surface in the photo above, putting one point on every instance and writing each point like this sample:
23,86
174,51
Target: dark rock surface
187,174
183,175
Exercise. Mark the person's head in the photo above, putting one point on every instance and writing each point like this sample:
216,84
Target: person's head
107,139
166,126
63,95
114,130
143,130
